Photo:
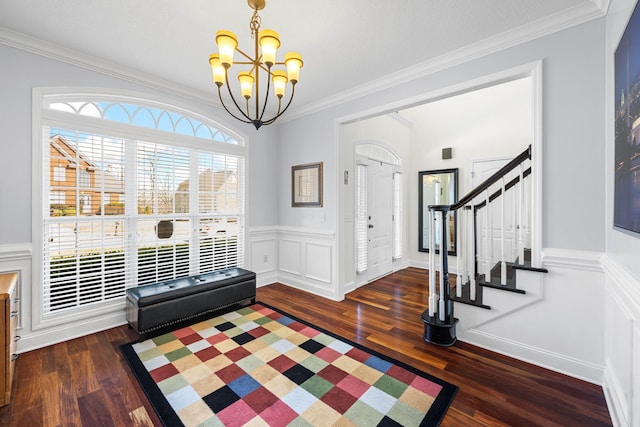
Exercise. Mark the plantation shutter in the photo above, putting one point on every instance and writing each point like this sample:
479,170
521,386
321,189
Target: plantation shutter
362,255
219,206
397,215
163,225
122,213
83,248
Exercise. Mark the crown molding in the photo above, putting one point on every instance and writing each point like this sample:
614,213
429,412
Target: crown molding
548,25
60,53
542,27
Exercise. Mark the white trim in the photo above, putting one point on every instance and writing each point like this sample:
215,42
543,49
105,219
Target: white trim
524,70
15,252
575,260
43,117
66,332
60,53
307,232
536,164
568,18
531,69
628,286
571,366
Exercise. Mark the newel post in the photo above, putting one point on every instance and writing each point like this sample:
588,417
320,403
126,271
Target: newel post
439,323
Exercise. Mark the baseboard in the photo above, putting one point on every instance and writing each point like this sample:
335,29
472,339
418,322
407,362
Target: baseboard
65,332
546,359
615,403
308,286
266,278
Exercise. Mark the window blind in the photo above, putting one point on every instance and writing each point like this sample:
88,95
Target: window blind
128,212
362,254
397,215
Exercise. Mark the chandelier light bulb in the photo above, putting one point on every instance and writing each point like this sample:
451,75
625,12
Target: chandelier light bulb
293,61
269,44
279,82
246,84
227,44
217,69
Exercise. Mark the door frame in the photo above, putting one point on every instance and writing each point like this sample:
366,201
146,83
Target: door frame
533,69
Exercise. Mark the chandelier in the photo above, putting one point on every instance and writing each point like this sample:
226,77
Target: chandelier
266,43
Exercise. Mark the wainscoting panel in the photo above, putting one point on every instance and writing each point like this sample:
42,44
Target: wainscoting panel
263,254
622,345
307,261
318,262
564,337
290,256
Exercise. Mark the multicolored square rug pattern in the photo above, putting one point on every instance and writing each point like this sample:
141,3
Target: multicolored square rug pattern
259,366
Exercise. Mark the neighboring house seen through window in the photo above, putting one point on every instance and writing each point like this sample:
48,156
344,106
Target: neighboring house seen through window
127,206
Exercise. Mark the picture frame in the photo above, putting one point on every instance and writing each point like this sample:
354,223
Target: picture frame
626,194
306,185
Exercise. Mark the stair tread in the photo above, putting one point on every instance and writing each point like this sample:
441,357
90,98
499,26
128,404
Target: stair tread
466,296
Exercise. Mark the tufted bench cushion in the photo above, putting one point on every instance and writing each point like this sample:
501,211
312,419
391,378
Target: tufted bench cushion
150,307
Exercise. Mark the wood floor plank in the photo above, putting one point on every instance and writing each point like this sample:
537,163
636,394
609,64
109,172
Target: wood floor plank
86,381
51,394
94,411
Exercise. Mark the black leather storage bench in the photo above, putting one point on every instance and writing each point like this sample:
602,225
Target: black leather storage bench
150,307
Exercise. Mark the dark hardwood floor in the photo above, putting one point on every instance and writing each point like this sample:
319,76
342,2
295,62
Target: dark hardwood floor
86,382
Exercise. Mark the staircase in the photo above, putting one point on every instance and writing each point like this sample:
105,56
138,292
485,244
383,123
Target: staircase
493,254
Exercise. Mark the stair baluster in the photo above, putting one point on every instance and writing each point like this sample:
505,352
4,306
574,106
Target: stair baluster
475,258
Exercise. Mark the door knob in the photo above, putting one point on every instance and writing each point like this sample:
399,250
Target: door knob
370,225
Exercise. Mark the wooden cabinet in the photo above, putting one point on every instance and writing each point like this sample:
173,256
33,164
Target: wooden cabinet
8,339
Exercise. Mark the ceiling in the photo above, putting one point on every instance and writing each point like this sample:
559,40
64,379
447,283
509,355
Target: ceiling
346,44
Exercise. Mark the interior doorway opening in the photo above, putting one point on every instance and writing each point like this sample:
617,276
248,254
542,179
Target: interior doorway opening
493,117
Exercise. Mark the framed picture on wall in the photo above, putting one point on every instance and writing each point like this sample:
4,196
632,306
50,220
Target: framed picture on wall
626,205
306,185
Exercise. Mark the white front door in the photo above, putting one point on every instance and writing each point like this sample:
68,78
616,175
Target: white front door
380,217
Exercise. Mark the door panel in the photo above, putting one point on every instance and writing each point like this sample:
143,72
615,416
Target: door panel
380,213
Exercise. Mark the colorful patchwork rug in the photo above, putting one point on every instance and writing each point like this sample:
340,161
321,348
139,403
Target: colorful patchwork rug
259,366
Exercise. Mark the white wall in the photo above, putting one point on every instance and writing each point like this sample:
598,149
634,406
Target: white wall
572,139
488,123
573,178
20,72
622,293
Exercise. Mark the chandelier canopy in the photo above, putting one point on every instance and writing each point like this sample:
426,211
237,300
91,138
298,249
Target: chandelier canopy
266,43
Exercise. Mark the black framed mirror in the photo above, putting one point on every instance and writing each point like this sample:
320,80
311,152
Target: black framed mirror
437,187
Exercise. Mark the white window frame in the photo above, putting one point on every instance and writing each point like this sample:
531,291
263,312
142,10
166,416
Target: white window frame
44,118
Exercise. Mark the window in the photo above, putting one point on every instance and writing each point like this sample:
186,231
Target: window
59,174
84,179
57,198
397,215
131,206
362,253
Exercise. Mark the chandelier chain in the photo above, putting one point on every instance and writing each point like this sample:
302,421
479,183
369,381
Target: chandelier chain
255,23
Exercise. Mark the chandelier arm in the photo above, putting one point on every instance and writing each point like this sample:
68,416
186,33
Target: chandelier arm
266,97
226,76
273,119
230,113
245,55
